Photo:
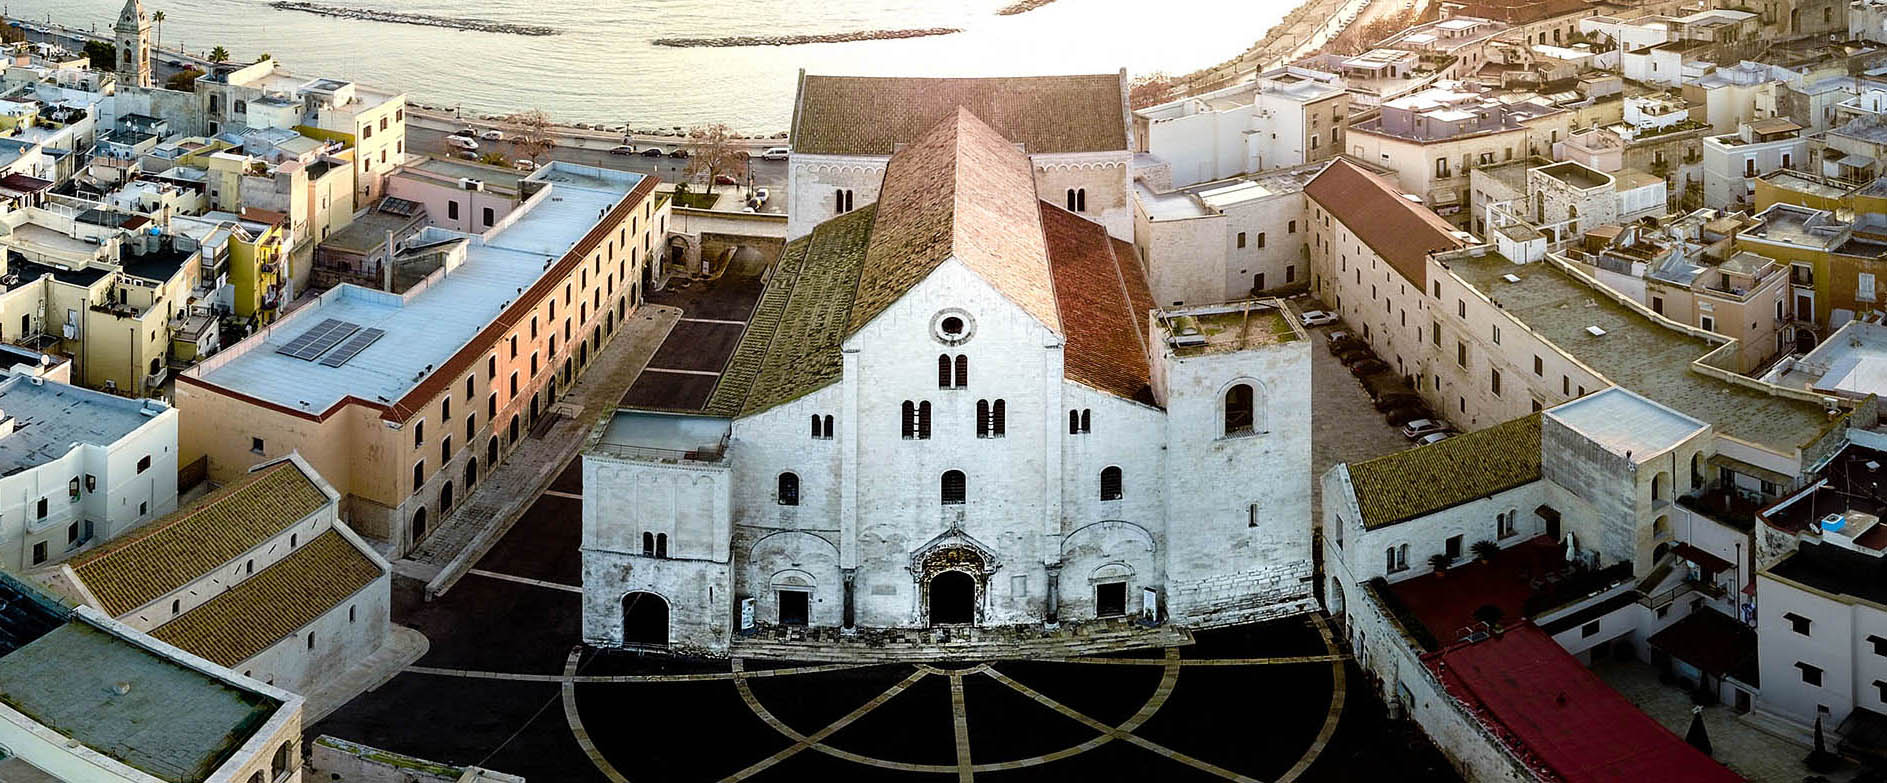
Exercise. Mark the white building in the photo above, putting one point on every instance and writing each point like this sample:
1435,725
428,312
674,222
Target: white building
1073,128
953,408
80,467
261,576
88,699
1286,117
1733,161
1824,633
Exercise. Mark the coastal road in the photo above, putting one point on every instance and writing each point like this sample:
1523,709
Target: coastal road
769,174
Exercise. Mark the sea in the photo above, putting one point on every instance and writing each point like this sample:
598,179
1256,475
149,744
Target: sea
603,67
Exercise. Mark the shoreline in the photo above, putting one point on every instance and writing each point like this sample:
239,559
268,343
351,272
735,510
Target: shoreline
796,40
1021,7
420,20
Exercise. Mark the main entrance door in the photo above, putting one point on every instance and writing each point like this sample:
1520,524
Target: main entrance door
793,607
644,619
952,599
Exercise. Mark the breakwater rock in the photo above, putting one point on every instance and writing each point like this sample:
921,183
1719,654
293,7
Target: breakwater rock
1022,7
424,20
793,40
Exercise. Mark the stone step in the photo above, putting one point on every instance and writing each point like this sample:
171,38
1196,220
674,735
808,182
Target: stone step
1090,643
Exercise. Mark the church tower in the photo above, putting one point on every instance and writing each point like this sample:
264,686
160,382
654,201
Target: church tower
132,35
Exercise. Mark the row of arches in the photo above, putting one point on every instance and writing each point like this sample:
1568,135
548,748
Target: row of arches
953,488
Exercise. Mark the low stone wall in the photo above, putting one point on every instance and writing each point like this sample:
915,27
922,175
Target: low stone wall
348,762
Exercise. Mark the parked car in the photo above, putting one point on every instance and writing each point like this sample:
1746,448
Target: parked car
776,153
678,152
468,155
1398,399
524,164
622,149
1419,428
652,152
761,195
492,134
1433,438
1319,318
462,142
723,179
1350,357
1403,414
1368,367
1335,336
465,132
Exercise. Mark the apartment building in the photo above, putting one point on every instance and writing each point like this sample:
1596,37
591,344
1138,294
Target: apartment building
1432,139
370,120
1284,118
472,356
1733,161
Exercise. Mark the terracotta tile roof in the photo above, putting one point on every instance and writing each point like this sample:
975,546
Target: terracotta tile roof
860,115
1106,348
964,192
1401,231
1426,479
265,608
791,346
170,552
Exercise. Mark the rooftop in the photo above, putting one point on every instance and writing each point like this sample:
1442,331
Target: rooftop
868,115
1849,486
656,435
1852,361
1426,479
259,611
1566,722
1209,198
1834,569
1649,358
44,421
1224,328
1576,175
427,325
1626,424
1401,231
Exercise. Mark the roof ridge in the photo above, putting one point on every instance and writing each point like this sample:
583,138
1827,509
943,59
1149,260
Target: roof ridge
210,500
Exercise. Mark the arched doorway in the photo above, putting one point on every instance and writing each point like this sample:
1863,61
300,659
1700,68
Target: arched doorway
471,472
419,524
644,619
514,431
445,498
952,598
491,449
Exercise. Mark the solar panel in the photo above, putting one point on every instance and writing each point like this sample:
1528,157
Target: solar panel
398,206
318,339
354,345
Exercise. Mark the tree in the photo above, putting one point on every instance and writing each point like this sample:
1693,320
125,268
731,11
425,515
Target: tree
1150,89
530,134
494,159
157,18
712,151
101,54
219,55
264,56
183,81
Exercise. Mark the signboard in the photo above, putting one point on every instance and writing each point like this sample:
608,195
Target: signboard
746,615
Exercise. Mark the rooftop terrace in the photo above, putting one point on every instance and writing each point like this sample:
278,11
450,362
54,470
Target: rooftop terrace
1226,328
427,325
669,436
44,421
1635,352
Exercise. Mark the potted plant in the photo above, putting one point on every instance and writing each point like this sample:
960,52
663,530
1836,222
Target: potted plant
1485,550
1490,614
1440,563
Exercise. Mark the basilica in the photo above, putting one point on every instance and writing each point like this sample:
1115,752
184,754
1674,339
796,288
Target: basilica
959,405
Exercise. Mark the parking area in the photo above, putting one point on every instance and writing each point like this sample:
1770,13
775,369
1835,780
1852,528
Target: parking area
1345,426
684,370
507,685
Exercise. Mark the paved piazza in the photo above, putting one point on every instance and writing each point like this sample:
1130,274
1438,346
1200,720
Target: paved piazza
506,685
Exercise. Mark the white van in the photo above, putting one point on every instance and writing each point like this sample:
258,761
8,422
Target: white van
776,153
462,143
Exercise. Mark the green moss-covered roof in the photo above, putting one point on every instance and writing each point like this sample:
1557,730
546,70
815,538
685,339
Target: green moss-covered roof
791,347
1426,479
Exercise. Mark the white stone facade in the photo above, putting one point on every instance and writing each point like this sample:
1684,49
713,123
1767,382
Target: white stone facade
826,186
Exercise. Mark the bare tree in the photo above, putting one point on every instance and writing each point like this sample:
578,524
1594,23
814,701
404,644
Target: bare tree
712,151
530,134
1150,89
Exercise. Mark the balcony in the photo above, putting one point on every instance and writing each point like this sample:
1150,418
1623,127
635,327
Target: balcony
1731,508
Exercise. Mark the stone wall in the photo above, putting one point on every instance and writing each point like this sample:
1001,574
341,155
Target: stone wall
341,761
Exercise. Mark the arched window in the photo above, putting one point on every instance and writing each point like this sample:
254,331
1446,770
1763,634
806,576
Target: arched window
1697,471
826,426
1660,487
419,475
910,420
982,418
648,544
1240,410
1087,421
989,419
997,420
815,425
923,420
963,371
1074,422
1110,483
789,489
1071,199
944,378
661,545
954,487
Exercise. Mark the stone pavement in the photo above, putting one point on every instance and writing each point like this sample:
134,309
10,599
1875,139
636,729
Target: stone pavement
506,492
402,647
957,644
1755,754
1344,424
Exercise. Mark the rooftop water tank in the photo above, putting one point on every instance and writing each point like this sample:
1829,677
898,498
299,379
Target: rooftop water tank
1833,523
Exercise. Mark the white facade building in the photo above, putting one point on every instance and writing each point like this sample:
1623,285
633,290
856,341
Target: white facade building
1733,161
954,409
1074,129
1824,633
1287,117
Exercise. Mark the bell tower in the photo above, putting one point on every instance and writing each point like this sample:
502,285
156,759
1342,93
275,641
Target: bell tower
132,35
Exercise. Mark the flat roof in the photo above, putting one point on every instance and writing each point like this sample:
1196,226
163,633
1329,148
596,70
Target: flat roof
426,327
1625,423
665,431
1852,360
51,418
1646,357
130,703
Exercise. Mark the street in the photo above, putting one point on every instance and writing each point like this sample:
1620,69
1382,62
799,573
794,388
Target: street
770,174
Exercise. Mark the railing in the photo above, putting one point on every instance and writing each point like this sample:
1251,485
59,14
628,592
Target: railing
712,454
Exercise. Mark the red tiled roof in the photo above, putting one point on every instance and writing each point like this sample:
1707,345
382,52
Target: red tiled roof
1104,309
1401,231
1561,719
